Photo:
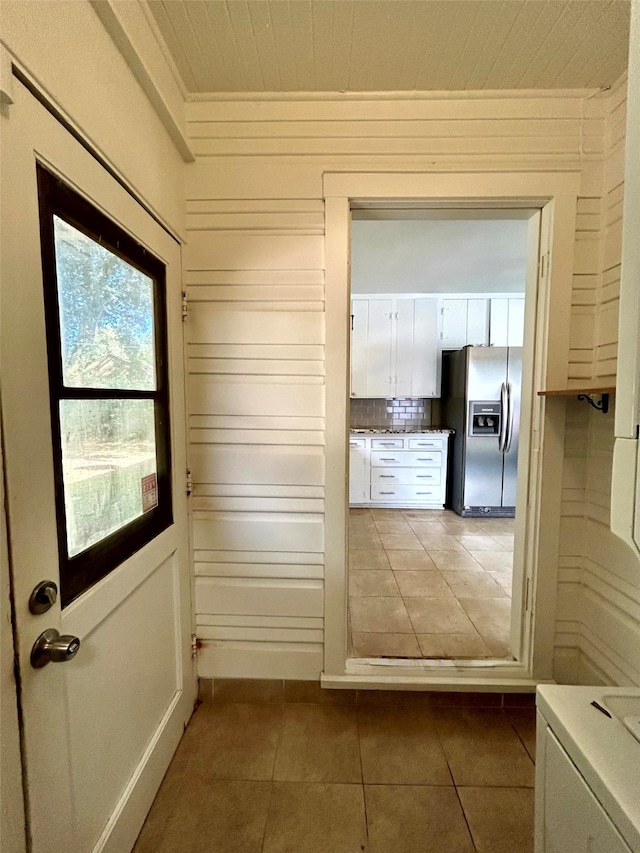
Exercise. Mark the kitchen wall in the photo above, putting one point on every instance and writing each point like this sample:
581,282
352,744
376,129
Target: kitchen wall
254,272
396,413
598,619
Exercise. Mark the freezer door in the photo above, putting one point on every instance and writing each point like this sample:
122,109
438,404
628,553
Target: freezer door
483,464
514,381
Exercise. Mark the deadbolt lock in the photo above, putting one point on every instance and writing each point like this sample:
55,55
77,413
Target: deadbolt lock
43,597
51,647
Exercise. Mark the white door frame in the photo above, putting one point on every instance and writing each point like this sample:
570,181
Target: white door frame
556,194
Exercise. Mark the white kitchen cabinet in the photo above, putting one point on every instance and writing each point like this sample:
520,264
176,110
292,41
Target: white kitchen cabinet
464,321
401,471
506,328
358,471
394,347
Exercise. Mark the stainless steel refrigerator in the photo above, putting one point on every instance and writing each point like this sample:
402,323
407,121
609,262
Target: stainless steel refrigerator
481,402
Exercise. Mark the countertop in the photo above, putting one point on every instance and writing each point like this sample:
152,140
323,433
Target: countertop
386,431
604,751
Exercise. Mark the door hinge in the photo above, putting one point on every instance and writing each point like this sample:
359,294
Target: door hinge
185,306
194,645
189,482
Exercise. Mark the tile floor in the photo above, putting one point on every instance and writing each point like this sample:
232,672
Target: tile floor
429,584
297,769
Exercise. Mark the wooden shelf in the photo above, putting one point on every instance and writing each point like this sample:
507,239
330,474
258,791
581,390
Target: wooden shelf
584,394
572,392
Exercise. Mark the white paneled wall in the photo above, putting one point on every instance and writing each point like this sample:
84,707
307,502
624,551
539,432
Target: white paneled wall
254,272
598,619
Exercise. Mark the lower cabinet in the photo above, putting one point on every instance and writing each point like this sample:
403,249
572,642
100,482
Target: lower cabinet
399,471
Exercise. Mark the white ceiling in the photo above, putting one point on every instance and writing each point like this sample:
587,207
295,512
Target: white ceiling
439,256
393,45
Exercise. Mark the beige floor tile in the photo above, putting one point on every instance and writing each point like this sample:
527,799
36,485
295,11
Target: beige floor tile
440,542
500,819
473,585
482,748
437,616
379,615
368,559
504,577
214,817
421,584
524,722
169,797
385,526
401,541
410,561
505,541
314,818
493,561
364,541
453,646
306,692
372,582
400,746
477,543
362,527
492,620
425,514
405,819
269,690
451,561
491,526
233,741
457,526
427,528
388,514
383,646
357,512
319,743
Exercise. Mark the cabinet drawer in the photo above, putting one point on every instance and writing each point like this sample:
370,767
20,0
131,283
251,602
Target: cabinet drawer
384,443
425,494
407,476
426,443
357,442
406,458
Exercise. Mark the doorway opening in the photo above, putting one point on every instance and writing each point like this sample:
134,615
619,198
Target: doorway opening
438,304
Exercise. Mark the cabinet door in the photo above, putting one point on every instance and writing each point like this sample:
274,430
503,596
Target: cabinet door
573,817
404,337
515,328
507,322
359,325
453,334
425,374
477,322
358,472
380,349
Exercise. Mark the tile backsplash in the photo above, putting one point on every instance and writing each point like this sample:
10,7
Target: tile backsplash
396,413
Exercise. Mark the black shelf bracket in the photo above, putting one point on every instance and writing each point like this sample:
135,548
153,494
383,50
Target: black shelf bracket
602,406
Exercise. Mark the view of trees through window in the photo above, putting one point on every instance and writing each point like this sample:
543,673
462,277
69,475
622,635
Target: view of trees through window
107,342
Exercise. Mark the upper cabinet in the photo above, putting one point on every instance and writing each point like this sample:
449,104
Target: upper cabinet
464,321
394,347
506,325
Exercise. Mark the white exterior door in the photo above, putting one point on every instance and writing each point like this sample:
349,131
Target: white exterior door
99,730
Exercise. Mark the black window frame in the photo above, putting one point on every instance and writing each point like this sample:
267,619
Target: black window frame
56,198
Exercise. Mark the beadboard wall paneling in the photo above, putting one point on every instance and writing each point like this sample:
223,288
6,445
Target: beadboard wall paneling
254,272
598,618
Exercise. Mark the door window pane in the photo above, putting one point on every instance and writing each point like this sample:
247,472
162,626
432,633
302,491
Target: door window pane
108,463
106,315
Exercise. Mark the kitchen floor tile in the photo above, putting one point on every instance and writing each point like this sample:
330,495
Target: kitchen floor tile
473,585
368,559
410,561
468,646
451,561
233,741
400,746
427,528
416,819
492,619
441,542
213,817
361,541
384,526
477,543
401,541
319,743
315,818
493,561
372,582
504,540
380,615
437,616
482,748
500,819
504,577
421,584
368,645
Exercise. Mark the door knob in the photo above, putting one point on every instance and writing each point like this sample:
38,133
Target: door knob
51,647
43,597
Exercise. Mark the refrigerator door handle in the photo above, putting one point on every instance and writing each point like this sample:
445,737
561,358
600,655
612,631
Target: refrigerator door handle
504,408
510,419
